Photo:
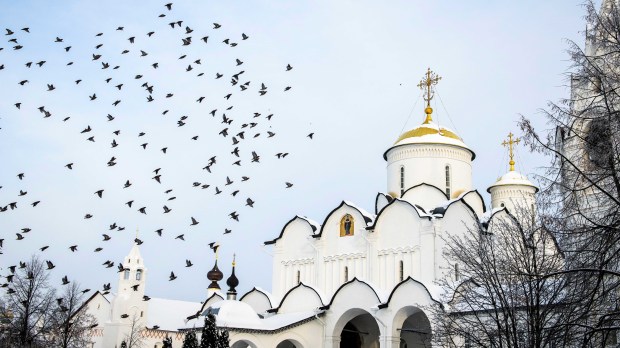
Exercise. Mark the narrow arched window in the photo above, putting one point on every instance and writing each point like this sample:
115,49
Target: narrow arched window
346,274
126,274
457,275
298,277
448,180
402,180
401,270
139,274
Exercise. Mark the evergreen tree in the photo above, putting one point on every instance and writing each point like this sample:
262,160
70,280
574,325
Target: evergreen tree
223,340
168,342
209,337
190,340
123,344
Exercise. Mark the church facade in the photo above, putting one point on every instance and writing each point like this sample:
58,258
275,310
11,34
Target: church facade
358,279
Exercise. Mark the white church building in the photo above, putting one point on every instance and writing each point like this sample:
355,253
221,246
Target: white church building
357,279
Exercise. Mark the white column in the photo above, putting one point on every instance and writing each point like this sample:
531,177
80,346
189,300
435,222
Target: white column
381,271
328,276
391,271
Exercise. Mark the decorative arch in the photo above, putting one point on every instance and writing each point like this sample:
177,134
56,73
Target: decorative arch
260,291
394,202
403,283
357,328
413,188
381,200
368,219
243,344
301,284
313,225
354,280
289,343
413,326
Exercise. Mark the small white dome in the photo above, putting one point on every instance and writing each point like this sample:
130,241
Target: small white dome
513,178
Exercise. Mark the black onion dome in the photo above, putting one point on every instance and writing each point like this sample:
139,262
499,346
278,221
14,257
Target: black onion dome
232,281
214,276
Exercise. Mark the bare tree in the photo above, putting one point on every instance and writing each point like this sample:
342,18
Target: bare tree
30,300
71,322
583,181
134,338
503,295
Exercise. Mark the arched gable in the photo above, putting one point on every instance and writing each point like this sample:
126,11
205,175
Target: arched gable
299,298
458,215
297,220
425,195
258,299
355,293
407,292
366,220
503,219
344,229
381,201
475,201
399,224
215,297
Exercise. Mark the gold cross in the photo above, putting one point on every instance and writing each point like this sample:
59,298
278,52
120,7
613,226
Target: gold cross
426,85
510,144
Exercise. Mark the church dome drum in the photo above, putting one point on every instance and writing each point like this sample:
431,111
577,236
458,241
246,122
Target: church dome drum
429,154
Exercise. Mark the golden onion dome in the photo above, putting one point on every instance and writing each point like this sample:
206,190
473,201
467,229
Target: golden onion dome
430,133
426,130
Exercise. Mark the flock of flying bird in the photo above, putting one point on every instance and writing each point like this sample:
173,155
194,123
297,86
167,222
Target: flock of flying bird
239,131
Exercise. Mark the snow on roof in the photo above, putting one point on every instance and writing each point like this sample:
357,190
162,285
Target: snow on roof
234,314
486,217
270,296
512,178
430,133
170,315
420,210
367,216
315,225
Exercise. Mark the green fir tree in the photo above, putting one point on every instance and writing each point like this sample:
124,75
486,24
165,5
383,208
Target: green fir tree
209,337
190,340
168,342
123,344
223,340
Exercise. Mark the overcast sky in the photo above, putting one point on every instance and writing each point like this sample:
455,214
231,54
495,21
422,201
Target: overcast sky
355,64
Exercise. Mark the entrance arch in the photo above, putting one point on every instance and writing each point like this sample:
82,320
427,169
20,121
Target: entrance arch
289,344
357,329
243,344
413,327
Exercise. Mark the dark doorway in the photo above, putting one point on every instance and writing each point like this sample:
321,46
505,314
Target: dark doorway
350,337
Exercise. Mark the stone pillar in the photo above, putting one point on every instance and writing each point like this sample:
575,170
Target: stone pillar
332,342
